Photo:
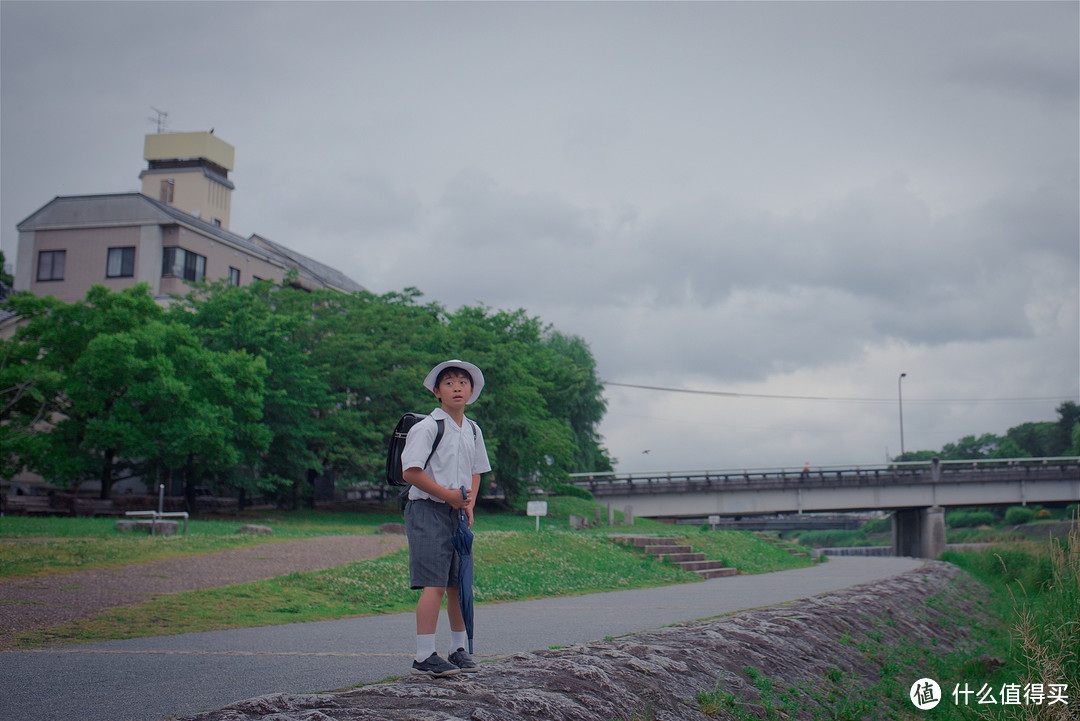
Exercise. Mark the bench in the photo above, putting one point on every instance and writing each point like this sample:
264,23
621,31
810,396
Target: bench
157,516
28,504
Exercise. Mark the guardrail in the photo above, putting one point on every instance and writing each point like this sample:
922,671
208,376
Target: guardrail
1010,469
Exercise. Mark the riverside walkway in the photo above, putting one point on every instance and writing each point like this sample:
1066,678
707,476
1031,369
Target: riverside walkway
151,679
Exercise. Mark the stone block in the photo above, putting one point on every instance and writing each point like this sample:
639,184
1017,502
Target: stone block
164,528
254,529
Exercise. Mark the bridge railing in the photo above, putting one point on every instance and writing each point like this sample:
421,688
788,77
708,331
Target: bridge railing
1067,468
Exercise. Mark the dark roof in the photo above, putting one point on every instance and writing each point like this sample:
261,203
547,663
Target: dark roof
330,276
124,209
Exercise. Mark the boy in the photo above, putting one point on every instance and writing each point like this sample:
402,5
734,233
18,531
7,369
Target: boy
431,514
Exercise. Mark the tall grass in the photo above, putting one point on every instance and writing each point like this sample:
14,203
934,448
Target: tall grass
1040,583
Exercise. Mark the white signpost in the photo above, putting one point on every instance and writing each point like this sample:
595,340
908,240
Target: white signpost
536,508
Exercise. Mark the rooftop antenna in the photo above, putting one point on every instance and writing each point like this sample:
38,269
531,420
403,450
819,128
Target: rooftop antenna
160,119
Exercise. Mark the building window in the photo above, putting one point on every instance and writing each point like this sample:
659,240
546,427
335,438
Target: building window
121,263
50,264
180,263
234,276
167,188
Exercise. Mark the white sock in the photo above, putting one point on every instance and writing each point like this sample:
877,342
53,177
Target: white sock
458,639
425,646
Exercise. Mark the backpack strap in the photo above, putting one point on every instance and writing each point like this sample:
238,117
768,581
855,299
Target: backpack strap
440,428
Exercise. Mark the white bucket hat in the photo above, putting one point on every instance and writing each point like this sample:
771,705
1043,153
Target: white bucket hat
477,377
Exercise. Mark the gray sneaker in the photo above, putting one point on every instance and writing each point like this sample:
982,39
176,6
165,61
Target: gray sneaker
461,659
435,666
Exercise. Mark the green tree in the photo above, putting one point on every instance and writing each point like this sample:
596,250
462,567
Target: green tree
124,390
540,415
1039,440
1068,422
1009,448
578,398
189,410
27,393
971,448
265,388
374,351
909,456
6,278
273,323
45,349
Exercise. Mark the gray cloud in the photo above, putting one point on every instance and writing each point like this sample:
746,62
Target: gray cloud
776,197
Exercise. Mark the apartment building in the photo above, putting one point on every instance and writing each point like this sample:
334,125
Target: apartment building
176,231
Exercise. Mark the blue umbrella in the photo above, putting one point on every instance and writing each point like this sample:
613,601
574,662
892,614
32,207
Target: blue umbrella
462,540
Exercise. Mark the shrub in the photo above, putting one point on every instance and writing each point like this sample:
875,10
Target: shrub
878,525
968,518
834,537
568,489
1018,514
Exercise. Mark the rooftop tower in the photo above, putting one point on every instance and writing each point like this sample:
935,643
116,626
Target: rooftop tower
190,171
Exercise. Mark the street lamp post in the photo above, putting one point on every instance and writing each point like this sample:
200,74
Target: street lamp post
900,398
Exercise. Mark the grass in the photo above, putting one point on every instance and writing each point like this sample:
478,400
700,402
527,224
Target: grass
1038,591
513,562
35,546
744,551
1030,635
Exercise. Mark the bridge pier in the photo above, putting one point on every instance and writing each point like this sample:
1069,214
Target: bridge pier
919,532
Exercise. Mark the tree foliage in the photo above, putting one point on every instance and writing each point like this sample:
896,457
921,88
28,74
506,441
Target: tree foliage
1045,439
261,390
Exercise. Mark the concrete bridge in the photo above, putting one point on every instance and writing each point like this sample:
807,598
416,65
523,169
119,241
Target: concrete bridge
916,492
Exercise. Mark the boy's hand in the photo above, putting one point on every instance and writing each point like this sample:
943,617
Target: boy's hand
457,498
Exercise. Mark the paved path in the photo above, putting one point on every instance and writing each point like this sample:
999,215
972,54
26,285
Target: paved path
154,678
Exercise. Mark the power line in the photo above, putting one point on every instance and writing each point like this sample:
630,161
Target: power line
831,399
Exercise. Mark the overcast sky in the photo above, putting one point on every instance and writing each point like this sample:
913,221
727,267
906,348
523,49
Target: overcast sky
769,199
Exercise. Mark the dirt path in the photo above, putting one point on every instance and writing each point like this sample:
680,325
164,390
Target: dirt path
29,603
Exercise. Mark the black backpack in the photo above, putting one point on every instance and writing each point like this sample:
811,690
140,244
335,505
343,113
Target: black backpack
397,445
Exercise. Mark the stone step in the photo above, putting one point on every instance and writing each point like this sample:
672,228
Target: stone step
701,565
680,557
666,550
642,541
680,554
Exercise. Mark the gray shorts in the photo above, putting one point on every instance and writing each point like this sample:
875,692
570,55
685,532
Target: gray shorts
430,526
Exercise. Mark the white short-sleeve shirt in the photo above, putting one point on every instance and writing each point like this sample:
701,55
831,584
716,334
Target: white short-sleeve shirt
461,453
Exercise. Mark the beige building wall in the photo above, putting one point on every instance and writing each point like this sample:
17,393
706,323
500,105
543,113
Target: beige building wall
219,259
86,252
191,191
179,146
190,188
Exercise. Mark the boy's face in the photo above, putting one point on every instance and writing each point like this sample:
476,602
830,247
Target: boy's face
453,390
